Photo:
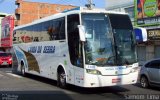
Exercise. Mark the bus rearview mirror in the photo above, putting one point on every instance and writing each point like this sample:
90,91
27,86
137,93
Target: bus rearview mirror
82,33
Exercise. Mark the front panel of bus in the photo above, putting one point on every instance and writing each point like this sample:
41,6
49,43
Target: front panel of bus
109,50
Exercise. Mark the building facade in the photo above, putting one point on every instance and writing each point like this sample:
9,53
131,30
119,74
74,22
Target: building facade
145,15
7,26
2,15
27,12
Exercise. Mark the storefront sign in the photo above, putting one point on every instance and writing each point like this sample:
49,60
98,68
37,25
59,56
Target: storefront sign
154,34
147,21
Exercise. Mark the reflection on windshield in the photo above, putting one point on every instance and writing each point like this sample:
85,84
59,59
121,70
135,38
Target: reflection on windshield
98,47
124,39
106,45
125,47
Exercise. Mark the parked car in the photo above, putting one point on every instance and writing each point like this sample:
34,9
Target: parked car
150,73
5,59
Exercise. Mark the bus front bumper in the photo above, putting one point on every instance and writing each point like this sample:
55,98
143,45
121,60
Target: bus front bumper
103,81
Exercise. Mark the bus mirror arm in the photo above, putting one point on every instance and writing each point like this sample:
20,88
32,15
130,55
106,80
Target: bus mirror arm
82,33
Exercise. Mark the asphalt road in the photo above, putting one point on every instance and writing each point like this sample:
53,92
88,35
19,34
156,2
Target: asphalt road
16,87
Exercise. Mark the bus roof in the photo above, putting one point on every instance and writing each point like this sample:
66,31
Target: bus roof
68,12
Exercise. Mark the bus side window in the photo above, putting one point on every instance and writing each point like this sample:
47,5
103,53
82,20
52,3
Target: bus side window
56,29
55,33
62,29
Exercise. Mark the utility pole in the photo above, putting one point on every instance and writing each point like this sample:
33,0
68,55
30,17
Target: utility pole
90,4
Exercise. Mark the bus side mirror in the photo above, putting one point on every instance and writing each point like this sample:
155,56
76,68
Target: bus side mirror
82,33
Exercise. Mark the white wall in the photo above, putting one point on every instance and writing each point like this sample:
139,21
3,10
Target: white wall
112,4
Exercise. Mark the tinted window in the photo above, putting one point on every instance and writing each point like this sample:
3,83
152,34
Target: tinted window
124,40
147,65
154,64
56,30
120,21
44,31
75,48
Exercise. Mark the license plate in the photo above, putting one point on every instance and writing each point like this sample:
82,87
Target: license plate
4,63
117,80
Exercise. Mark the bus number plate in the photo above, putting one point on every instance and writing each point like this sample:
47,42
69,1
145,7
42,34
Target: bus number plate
117,80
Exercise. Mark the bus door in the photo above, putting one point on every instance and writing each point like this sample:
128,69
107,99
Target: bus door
75,49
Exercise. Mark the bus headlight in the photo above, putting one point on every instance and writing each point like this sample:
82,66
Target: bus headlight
135,69
93,71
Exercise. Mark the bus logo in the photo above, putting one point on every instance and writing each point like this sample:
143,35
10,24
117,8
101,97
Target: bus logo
116,72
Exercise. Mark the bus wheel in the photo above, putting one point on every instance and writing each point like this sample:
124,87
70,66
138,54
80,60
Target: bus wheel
144,82
23,70
62,79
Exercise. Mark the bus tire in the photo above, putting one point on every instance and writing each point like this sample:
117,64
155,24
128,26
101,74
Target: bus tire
61,82
23,70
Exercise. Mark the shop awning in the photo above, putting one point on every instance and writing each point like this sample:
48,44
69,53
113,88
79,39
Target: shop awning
141,34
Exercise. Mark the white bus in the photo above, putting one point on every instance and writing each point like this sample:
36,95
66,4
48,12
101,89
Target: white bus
86,48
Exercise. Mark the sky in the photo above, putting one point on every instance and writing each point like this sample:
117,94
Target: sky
8,6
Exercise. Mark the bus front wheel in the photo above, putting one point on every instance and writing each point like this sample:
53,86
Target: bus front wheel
62,79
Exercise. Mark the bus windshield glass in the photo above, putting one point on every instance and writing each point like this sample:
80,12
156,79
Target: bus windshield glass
125,48
98,46
107,44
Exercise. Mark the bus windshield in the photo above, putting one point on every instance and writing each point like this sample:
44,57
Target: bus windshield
107,44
